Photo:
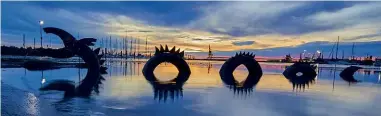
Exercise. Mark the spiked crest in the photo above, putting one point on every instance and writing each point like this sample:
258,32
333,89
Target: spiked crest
102,70
248,54
166,50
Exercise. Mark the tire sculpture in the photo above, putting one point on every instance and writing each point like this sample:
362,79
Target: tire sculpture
347,74
173,88
255,72
300,74
171,56
93,78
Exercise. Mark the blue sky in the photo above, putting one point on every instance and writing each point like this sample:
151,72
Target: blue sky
266,28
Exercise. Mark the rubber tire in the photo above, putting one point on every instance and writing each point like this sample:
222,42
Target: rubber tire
180,63
308,73
227,69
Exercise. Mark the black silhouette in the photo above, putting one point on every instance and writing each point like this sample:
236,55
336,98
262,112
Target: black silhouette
347,74
300,74
81,48
38,65
164,89
173,88
171,56
255,72
16,51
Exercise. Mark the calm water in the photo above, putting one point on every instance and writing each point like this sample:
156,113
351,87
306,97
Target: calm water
126,92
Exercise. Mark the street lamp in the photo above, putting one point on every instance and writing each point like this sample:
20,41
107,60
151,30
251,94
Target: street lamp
304,52
41,23
319,52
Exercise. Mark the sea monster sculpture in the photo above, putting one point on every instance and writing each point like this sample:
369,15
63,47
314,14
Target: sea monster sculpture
300,74
255,72
93,78
173,87
347,74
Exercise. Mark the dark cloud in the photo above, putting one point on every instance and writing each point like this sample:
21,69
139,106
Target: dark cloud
291,21
360,49
199,39
144,31
366,36
72,16
243,43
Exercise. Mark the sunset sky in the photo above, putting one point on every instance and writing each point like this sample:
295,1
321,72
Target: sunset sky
265,28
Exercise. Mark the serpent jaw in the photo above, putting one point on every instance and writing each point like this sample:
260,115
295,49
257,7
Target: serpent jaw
93,78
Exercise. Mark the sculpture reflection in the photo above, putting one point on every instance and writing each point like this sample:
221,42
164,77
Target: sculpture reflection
92,58
255,73
171,88
164,89
240,88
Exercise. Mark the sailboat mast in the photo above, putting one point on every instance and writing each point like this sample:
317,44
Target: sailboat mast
134,48
146,46
353,45
131,47
125,47
23,40
332,51
102,46
110,46
79,69
337,46
138,48
50,41
34,43
106,47
116,46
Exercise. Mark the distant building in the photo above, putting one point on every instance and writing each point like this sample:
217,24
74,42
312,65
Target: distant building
288,58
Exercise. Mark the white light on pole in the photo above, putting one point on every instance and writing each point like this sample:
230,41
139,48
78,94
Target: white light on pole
43,81
319,52
41,23
304,53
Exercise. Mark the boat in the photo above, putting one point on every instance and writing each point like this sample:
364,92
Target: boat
341,61
377,62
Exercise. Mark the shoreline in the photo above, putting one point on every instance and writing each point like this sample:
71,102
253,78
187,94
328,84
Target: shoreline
8,61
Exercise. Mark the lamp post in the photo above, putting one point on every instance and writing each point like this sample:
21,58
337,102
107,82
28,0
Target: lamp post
41,23
304,53
319,53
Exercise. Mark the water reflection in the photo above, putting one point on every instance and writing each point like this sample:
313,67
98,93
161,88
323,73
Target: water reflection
209,67
246,86
162,89
126,93
241,88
